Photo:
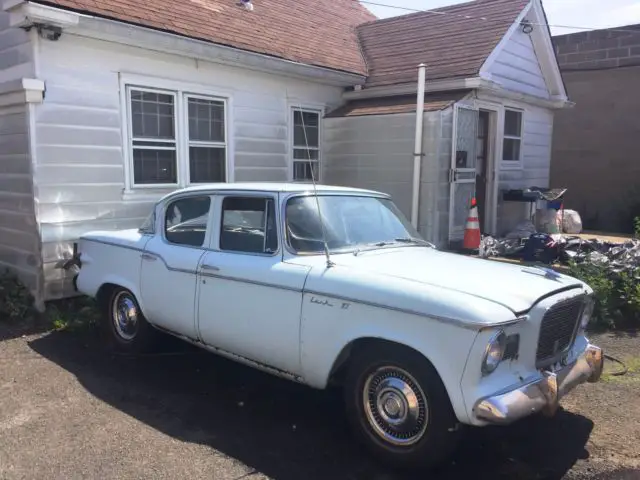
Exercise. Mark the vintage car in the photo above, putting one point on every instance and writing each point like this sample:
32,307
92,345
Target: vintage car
333,286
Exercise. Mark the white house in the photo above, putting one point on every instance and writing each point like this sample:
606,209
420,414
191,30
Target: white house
106,106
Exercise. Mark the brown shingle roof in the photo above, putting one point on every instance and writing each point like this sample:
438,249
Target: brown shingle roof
448,43
314,32
398,104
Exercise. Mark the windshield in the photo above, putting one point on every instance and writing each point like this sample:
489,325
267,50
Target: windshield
350,223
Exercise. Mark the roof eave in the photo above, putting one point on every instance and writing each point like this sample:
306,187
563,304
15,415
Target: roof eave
24,14
442,85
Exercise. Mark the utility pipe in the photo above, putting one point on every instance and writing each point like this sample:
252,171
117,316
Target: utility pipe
417,149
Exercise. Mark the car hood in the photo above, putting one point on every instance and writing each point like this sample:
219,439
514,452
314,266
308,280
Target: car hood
516,287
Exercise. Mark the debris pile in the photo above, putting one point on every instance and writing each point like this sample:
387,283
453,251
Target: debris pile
617,257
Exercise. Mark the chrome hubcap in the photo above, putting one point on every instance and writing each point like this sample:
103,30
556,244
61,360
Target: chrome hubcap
125,316
395,406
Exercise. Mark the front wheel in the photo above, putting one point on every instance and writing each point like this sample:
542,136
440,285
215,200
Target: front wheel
125,324
398,406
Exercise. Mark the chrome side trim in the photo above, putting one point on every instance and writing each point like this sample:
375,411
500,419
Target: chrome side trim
144,252
449,320
208,274
232,356
113,244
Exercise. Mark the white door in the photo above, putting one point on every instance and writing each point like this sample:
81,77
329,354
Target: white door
170,264
249,300
462,176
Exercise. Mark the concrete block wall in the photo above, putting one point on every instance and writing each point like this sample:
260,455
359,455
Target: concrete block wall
598,49
596,144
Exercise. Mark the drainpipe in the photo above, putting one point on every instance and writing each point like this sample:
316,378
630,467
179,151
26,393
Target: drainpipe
417,149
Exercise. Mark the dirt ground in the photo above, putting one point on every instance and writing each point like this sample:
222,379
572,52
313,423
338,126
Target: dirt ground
70,409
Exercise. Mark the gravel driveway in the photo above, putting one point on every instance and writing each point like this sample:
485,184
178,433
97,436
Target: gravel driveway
70,409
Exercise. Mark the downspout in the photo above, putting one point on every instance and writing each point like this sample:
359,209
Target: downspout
417,149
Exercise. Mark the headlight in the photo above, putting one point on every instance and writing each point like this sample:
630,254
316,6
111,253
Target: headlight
494,352
587,313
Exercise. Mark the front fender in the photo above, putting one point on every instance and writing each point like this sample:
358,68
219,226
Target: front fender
329,325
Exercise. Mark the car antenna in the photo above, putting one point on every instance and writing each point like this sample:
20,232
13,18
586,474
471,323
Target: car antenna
315,190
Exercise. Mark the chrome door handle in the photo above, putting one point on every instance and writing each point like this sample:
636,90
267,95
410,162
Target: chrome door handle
147,256
210,268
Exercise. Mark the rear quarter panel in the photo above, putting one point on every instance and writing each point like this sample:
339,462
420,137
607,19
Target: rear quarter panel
105,262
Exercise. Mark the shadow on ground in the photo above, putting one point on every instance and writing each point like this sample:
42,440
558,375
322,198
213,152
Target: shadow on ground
11,330
287,431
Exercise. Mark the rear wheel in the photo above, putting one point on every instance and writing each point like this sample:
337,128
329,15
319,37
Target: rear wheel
398,406
125,324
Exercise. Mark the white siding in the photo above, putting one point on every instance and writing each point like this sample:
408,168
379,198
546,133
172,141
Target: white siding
373,152
517,68
16,53
376,152
80,170
19,239
536,165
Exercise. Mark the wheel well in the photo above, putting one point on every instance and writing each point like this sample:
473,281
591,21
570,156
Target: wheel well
104,292
341,363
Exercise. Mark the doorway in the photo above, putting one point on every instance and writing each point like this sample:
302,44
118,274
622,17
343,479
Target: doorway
483,166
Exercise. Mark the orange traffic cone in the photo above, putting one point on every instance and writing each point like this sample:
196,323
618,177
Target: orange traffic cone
472,228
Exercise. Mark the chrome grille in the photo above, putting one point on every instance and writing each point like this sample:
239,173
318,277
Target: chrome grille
557,330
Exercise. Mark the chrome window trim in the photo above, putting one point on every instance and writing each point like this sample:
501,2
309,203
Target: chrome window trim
163,218
259,194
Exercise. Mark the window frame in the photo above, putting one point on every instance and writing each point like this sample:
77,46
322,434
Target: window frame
131,139
305,108
512,164
253,195
182,92
210,220
198,143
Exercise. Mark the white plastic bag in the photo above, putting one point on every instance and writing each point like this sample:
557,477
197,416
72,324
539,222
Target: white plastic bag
570,221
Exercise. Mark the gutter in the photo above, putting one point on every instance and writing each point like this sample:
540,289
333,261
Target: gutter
411,88
25,14
481,84
556,103
417,149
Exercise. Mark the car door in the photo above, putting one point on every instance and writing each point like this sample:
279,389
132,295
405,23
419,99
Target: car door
249,300
170,263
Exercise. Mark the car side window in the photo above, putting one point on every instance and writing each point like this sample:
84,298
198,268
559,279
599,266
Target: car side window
249,225
186,221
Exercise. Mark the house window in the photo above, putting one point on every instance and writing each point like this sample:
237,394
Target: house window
207,149
176,138
306,144
154,151
512,143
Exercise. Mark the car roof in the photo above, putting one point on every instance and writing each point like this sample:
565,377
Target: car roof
279,187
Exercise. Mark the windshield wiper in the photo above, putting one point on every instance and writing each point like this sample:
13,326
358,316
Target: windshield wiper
417,241
385,243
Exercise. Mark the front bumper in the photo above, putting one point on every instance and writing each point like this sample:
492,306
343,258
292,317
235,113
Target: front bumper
541,395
